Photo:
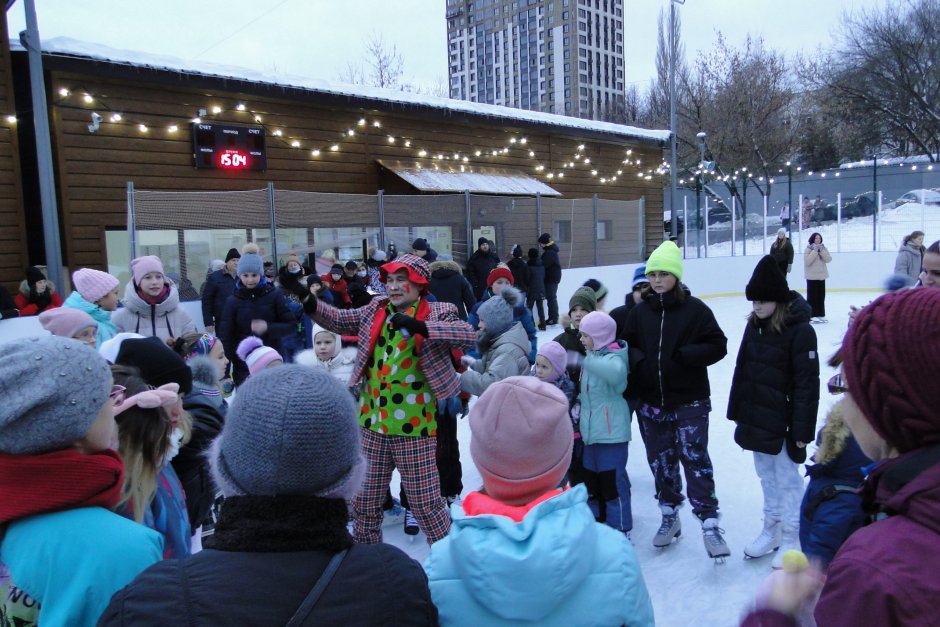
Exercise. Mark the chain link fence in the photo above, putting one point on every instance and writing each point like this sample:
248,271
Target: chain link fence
188,230
855,210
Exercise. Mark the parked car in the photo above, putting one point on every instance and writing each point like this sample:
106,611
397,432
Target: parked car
926,196
864,204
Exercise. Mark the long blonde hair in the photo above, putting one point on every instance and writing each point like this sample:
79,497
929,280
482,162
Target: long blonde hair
778,318
143,441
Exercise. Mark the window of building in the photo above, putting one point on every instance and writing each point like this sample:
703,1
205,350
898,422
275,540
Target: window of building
566,28
583,91
583,78
605,230
567,106
564,15
582,39
567,54
582,65
582,52
582,26
562,228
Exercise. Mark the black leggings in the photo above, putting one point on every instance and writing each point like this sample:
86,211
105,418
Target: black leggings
816,297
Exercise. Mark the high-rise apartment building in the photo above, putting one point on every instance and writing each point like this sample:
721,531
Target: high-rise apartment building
558,56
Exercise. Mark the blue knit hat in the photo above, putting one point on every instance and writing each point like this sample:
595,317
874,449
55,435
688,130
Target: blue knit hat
292,430
639,276
251,261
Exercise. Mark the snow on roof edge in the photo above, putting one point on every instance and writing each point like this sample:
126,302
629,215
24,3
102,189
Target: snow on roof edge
66,46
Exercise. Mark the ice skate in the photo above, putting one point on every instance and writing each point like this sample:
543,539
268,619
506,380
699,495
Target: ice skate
394,514
790,539
767,542
411,525
715,544
670,529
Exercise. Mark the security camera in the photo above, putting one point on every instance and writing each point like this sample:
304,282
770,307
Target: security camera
701,134
95,122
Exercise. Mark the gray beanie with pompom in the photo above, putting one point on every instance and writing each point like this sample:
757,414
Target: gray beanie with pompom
496,311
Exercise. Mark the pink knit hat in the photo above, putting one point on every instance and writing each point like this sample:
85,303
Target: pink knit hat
601,327
556,355
521,439
65,321
93,285
888,336
142,266
256,355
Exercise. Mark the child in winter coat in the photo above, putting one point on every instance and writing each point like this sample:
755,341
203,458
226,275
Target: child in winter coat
205,357
256,308
96,293
535,295
774,398
498,279
605,421
66,551
37,293
501,341
550,367
71,323
832,505
151,303
582,302
521,550
328,353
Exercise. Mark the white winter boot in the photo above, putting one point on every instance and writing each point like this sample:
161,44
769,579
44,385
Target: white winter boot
767,542
790,540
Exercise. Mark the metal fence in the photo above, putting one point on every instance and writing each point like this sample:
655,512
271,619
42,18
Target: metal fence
187,230
857,209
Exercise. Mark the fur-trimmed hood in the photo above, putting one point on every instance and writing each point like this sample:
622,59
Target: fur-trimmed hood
832,437
445,264
24,287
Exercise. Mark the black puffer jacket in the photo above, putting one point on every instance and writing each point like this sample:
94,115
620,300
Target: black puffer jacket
775,389
479,266
672,344
552,263
448,285
265,556
536,289
520,274
263,302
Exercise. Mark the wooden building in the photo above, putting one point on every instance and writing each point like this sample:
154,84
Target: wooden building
119,117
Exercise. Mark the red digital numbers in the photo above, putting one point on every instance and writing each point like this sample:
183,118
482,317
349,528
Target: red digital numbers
233,160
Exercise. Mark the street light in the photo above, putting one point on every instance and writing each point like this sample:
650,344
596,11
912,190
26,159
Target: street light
701,135
674,227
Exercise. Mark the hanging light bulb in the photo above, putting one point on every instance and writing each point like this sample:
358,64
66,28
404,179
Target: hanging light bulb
87,98
11,119
377,124
115,117
587,161
350,132
422,153
172,128
362,122
295,144
277,132
240,106
315,152
407,143
334,147
391,139
478,153
197,120
523,141
64,92
258,119
512,140
216,110
143,128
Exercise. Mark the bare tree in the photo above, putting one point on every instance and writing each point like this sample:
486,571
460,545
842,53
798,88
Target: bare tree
383,65
886,67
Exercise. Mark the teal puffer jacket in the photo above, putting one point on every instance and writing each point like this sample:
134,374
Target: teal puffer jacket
605,415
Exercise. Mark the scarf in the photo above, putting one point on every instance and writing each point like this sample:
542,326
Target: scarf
57,481
155,300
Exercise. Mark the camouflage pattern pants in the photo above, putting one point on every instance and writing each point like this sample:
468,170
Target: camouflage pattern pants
674,435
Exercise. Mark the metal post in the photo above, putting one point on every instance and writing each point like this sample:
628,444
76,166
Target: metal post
131,220
381,203
874,217
734,210
538,213
674,227
50,216
743,220
685,220
838,222
790,197
698,216
706,226
643,227
923,210
273,218
763,240
466,202
594,213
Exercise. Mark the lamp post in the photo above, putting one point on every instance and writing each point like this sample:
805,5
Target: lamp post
701,135
874,215
674,227
790,198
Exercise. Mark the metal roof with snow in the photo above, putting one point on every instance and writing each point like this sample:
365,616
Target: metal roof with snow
72,48
481,181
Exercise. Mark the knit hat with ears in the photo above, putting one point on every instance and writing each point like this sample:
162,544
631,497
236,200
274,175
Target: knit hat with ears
232,254
666,258
142,266
556,355
767,283
499,272
65,321
496,311
256,355
52,390
585,297
600,327
290,432
521,439
887,336
93,285
250,262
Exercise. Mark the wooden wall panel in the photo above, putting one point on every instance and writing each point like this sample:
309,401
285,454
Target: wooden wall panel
13,255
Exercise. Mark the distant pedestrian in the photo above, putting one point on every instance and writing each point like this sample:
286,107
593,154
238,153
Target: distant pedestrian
37,294
479,266
910,258
782,252
535,297
552,263
785,215
815,260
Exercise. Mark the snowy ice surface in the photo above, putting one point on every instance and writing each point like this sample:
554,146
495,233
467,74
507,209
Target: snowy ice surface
686,586
66,46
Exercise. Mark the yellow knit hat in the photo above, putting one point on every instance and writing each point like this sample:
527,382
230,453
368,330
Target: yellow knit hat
666,258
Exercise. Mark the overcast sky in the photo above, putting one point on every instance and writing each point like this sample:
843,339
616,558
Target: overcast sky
317,38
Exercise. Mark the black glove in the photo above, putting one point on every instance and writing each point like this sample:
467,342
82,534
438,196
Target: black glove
310,301
408,324
300,290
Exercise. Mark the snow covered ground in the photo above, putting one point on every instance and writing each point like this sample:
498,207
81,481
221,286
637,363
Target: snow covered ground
686,586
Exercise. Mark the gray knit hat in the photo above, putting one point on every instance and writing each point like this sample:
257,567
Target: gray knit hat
52,389
496,311
290,431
